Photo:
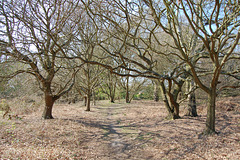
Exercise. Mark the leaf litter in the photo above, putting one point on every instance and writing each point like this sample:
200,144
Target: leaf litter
121,131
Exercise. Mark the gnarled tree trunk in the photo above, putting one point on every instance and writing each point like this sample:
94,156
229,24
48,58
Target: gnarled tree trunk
49,101
191,109
174,104
166,103
171,101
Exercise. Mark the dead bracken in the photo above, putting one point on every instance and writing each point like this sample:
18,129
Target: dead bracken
119,131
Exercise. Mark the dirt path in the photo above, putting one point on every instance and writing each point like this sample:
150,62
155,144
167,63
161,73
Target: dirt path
116,139
115,134
118,136
119,131
138,131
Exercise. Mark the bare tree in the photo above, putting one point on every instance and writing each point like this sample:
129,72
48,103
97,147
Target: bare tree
109,85
214,30
216,27
127,40
88,79
36,33
131,86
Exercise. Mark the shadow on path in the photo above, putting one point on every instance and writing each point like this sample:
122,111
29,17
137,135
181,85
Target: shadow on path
114,135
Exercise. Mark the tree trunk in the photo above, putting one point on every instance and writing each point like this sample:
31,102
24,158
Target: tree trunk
210,123
94,98
127,97
88,102
176,111
173,97
174,103
112,94
127,91
156,92
166,103
85,100
174,107
191,109
49,101
112,98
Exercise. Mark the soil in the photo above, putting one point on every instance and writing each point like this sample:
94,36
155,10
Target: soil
120,131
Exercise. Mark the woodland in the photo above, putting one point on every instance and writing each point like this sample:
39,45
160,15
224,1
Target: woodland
120,79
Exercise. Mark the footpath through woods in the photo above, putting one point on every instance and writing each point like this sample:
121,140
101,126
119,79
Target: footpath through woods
139,131
117,135
118,131
116,140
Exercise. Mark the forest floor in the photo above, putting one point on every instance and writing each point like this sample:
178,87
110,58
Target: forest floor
121,131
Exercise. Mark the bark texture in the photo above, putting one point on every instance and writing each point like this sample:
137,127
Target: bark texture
191,109
49,101
127,97
171,114
88,102
210,122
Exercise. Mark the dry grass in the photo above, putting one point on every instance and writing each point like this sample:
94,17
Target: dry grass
120,131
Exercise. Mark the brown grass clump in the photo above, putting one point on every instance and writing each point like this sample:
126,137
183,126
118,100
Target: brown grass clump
118,131
229,104
23,106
